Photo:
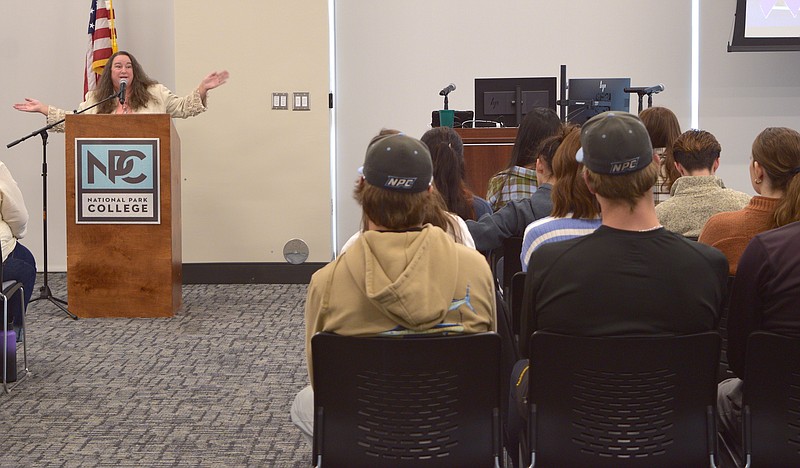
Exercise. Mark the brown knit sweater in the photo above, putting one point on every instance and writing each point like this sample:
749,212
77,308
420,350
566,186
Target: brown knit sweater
731,231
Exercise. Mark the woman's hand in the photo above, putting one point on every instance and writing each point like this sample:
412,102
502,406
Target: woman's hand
31,105
214,79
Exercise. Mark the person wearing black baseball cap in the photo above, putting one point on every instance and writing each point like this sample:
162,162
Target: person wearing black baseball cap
631,276
401,276
436,210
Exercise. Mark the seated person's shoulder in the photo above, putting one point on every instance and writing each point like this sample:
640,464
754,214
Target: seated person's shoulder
720,226
744,197
667,205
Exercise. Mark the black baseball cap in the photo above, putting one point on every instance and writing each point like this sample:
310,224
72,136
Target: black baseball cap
398,162
615,143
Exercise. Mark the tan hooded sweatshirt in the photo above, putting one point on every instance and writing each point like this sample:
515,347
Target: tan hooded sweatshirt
394,283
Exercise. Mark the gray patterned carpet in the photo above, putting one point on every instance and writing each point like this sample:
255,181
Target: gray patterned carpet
209,387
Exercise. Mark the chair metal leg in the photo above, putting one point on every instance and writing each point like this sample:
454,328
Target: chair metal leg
24,331
20,375
5,343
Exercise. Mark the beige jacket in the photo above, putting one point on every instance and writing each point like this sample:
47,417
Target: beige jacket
396,283
164,102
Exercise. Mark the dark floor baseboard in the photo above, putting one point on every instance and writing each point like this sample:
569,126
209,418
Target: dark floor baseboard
249,273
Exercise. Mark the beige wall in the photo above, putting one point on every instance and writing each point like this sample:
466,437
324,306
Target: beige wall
253,178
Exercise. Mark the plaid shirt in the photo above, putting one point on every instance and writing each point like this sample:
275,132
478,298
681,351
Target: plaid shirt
660,190
517,183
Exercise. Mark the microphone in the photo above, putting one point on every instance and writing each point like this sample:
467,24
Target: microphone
654,89
646,89
451,87
123,83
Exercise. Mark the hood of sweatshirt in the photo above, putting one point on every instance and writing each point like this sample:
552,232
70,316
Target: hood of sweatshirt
410,276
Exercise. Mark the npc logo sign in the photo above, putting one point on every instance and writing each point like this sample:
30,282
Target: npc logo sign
117,180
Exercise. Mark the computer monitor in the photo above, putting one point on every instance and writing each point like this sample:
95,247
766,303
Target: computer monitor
591,96
507,100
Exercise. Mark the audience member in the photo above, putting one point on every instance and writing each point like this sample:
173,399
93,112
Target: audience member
765,296
773,174
631,276
18,262
435,214
447,153
489,232
575,209
402,276
698,194
518,180
663,127
143,95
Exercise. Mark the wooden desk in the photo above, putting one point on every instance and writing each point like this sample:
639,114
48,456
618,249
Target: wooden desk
486,152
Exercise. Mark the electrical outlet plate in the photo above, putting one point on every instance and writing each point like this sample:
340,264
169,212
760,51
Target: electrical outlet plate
280,101
301,101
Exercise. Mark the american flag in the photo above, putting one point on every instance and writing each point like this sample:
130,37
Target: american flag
102,42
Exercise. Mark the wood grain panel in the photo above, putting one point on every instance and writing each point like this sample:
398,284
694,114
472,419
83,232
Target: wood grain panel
125,270
486,152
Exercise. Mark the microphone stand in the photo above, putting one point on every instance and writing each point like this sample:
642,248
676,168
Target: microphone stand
641,93
44,292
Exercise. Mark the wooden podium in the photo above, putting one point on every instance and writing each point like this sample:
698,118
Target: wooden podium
486,152
126,270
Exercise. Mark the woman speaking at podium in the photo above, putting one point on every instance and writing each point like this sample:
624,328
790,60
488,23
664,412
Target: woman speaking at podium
141,94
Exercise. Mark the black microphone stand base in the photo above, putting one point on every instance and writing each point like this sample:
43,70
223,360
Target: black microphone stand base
46,294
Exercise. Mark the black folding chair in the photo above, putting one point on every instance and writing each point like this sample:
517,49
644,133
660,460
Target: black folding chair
622,401
9,289
771,401
407,402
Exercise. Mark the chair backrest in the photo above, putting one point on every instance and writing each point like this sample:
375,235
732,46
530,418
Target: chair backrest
622,401
403,402
512,247
515,299
509,253
772,400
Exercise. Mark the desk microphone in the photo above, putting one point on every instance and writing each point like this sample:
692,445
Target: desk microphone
450,88
123,83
